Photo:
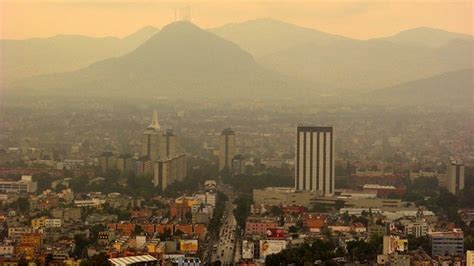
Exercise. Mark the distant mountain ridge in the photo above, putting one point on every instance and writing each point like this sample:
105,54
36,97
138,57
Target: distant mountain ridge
180,60
425,36
63,52
261,37
451,88
263,56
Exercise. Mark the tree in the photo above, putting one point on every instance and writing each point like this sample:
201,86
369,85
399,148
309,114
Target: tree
306,254
178,233
80,245
339,204
23,204
138,230
293,229
100,259
22,262
327,232
365,251
242,211
415,243
276,210
94,232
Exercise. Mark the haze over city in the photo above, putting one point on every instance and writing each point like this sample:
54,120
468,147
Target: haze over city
236,132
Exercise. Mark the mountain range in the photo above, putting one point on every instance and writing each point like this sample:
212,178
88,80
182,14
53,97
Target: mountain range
258,57
181,60
60,53
451,88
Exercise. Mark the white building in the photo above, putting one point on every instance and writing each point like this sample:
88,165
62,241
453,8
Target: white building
455,176
314,168
53,223
25,185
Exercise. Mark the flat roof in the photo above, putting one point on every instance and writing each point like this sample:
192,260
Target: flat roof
132,259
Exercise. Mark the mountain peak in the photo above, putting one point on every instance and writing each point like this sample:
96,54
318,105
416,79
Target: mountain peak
426,36
267,35
180,24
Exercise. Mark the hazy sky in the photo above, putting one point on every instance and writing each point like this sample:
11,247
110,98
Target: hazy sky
359,19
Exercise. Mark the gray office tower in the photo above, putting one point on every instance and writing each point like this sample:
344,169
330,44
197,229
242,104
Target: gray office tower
314,165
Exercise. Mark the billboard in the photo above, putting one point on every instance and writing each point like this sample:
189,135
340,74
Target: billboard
188,245
276,233
247,249
268,247
401,245
394,243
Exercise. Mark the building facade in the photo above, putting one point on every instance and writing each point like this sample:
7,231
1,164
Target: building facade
151,139
24,185
107,161
455,176
447,243
314,165
125,163
169,170
227,149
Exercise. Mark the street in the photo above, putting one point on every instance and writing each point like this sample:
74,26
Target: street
224,249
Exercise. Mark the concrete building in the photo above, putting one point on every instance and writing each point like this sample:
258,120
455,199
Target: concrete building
107,161
447,243
284,196
416,229
238,165
125,163
455,176
392,244
314,164
470,257
143,260
227,149
168,144
144,166
169,170
24,185
259,225
159,144
151,139
399,259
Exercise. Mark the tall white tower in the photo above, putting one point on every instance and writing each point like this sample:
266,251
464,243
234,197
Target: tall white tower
314,164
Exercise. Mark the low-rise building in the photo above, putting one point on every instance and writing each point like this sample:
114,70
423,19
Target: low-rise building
447,243
24,185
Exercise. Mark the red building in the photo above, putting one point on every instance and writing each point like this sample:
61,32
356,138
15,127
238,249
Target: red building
259,225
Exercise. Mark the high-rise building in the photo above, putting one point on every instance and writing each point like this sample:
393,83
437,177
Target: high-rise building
169,170
125,163
238,165
144,166
314,165
227,149
455,176
151,143
158,145
107,161
168,144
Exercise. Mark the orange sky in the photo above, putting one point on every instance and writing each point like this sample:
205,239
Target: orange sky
21,19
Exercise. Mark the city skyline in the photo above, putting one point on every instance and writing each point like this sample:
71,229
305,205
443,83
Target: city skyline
289,132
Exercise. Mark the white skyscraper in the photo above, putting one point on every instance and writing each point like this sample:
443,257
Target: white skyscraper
455,176
314,165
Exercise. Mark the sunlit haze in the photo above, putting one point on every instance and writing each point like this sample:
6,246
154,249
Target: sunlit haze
358,19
